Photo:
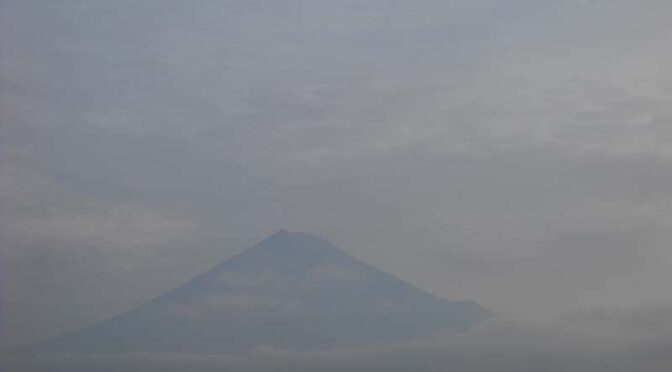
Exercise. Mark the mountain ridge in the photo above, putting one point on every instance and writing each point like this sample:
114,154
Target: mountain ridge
291,291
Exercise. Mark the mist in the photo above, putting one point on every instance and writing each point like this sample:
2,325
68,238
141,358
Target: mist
513,153
497,346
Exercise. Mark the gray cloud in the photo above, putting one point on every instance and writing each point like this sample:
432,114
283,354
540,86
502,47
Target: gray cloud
586,342
516,153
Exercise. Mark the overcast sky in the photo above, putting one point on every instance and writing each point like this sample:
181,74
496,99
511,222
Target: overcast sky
517,153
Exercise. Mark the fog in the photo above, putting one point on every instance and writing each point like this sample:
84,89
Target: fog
515,153
497,346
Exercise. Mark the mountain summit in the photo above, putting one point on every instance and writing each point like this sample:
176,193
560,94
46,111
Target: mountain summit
291,291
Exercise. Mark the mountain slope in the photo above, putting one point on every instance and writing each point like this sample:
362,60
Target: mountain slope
291,291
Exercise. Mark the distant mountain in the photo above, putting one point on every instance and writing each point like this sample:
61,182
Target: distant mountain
291,291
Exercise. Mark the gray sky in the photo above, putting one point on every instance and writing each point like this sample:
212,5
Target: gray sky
517,153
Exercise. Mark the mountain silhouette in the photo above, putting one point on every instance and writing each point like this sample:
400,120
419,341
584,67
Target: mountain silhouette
291,291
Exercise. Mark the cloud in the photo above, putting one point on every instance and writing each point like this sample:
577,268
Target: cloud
126,227
516,153
498,346
54,239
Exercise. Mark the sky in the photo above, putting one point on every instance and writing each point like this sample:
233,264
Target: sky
517,153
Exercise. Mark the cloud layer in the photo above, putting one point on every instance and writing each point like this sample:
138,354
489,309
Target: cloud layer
512,152
577,345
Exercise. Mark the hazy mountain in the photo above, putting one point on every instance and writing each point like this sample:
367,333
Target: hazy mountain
291,291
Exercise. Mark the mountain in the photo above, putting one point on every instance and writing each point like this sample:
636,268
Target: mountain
291,291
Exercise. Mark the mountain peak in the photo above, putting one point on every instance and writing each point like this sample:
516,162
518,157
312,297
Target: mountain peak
298,244
294,235
280,233
283,235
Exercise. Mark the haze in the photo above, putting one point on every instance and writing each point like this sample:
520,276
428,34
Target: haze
515,153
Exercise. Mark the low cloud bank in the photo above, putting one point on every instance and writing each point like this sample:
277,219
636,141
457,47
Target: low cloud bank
597,341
